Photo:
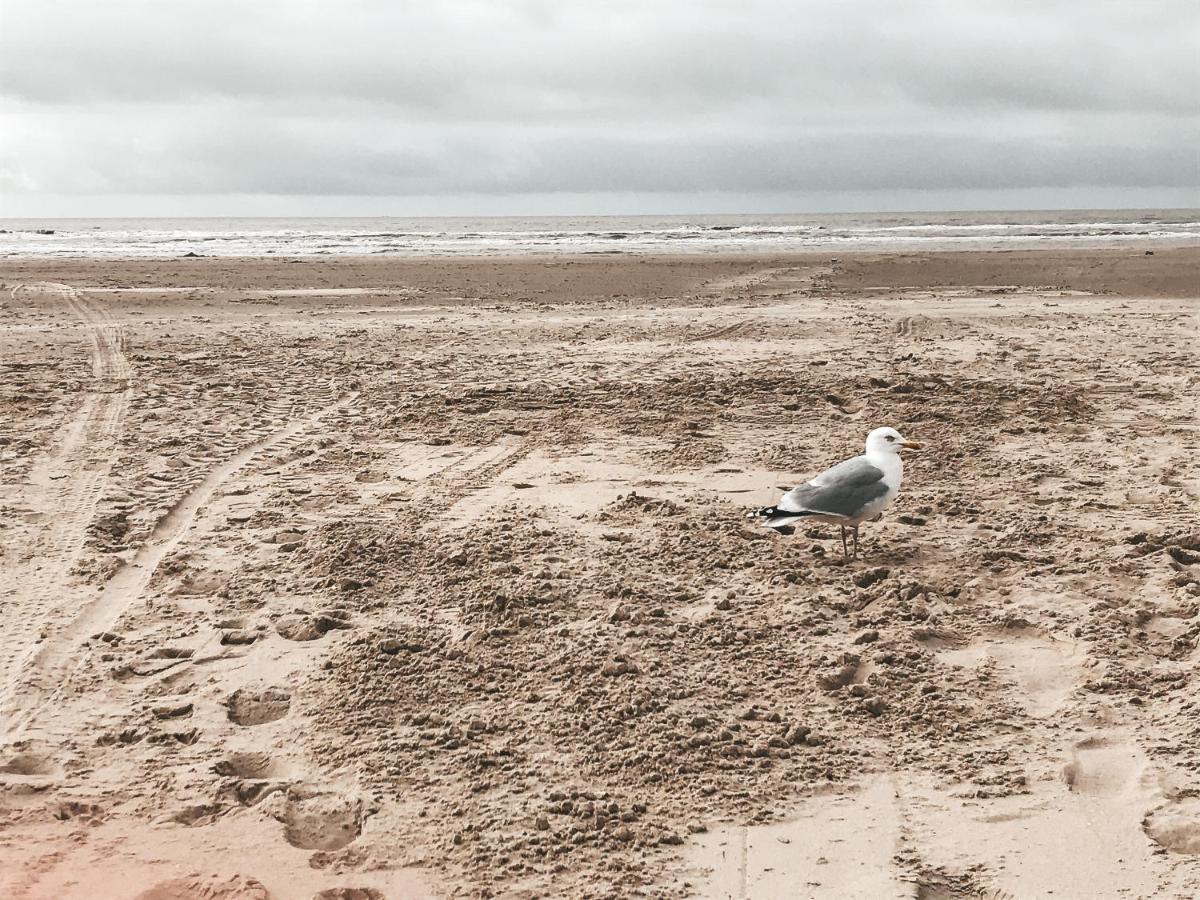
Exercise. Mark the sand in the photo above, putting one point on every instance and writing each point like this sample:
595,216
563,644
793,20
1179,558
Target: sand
432,578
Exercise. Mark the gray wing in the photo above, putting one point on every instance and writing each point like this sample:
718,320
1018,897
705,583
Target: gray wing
845,490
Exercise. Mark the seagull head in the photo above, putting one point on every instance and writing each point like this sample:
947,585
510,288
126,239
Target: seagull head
888,440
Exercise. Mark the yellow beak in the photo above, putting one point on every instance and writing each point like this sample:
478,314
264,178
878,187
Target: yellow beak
911,445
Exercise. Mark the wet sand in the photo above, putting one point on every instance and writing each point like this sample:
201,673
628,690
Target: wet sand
433,578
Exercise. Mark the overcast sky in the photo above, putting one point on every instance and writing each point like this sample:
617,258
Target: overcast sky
366,107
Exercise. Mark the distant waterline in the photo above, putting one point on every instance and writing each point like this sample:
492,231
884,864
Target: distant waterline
169,238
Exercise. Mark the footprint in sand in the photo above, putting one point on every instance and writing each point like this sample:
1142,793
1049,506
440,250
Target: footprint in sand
1043,673
239,637
258,776
29,764
200,888
186,736
1175,826
315,819
199,815
250,765
76,810
249,707
1100,769
304,627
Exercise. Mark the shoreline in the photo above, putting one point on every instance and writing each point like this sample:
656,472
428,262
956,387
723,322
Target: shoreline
1033,245
1165,271
167,238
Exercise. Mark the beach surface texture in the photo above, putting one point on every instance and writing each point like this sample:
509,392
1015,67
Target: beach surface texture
382,577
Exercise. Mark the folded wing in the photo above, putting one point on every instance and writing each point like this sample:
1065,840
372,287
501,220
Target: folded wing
842,491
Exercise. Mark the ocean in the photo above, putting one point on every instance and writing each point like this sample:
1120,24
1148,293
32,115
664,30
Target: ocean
503,236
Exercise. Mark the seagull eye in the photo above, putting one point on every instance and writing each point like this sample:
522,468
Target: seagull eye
890,438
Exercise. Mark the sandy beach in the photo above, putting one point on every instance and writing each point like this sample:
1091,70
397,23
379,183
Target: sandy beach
386,578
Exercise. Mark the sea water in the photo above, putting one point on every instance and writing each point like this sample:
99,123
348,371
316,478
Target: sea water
506,236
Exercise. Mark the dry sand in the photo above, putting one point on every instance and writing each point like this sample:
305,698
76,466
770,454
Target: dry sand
432,578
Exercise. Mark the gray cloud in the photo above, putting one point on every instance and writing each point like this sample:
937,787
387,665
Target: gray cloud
300,98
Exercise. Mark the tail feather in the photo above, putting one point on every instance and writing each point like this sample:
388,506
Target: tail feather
774,517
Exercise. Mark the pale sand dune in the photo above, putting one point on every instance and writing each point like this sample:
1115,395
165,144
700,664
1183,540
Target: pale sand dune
432,578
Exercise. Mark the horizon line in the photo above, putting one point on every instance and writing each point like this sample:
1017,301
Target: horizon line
631,215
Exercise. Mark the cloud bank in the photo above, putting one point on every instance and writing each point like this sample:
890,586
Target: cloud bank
370,106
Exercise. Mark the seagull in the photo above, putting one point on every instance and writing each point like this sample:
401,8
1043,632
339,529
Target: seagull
849,493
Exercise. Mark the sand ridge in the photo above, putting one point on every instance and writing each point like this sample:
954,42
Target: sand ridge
444,587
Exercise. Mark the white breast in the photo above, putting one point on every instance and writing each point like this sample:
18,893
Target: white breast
893,473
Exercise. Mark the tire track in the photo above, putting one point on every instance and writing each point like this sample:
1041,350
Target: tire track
725,332
67,484
54,664
439,492
146,496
